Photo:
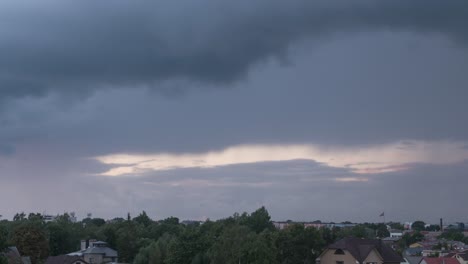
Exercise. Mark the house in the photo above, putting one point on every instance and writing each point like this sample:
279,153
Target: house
396,233
359,251
428,260
14,257
435,253
65,259
462,257
281,225
96,253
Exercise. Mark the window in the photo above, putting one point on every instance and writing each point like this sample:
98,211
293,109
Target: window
340,262
339,252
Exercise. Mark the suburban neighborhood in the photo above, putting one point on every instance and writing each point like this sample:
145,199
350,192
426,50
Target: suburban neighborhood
62,239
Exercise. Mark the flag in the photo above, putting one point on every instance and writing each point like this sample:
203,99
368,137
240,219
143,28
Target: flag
382,214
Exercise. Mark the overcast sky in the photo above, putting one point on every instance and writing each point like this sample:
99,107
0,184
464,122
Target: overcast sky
331,110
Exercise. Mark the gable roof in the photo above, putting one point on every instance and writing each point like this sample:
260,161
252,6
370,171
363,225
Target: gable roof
64,259
360,249
441,260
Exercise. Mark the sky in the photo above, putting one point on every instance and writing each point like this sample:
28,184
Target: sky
333,110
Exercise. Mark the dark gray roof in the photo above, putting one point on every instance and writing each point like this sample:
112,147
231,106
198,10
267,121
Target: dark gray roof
413,259
360,249
64,259
414,251
102,250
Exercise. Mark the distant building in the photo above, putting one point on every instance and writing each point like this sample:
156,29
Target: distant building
359,251
315,224
408,225
49,218
281,225
396,233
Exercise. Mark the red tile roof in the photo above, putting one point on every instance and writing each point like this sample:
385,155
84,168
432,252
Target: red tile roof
441,260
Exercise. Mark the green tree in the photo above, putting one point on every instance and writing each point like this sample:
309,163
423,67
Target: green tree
359,231
382,231
3,237
3,244
418,226
297,244
143,219
397,226
433,228
58,239
156,252
127,242
260,220
238,244
189,243
31,241
19,217
453,234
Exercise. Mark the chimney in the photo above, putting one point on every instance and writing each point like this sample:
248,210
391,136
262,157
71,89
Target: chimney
91,242
83,244
441,225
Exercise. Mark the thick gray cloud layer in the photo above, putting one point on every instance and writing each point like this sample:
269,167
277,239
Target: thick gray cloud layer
78,46
357,73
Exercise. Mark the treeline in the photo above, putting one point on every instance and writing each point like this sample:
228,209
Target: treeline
241,238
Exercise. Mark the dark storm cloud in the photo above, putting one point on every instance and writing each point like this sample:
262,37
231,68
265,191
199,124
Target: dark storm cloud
78,46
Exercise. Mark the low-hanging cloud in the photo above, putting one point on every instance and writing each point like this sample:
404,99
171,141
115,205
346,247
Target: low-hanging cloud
79,46
372,159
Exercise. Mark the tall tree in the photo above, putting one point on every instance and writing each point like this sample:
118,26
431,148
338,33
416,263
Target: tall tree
143,219
127,240
238,244
3,244
297,244
260,220
187,246
156,252
31,241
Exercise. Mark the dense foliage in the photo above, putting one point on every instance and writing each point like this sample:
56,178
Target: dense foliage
241,238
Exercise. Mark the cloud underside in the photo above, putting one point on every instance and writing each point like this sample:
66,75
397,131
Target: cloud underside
373,159
79,46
